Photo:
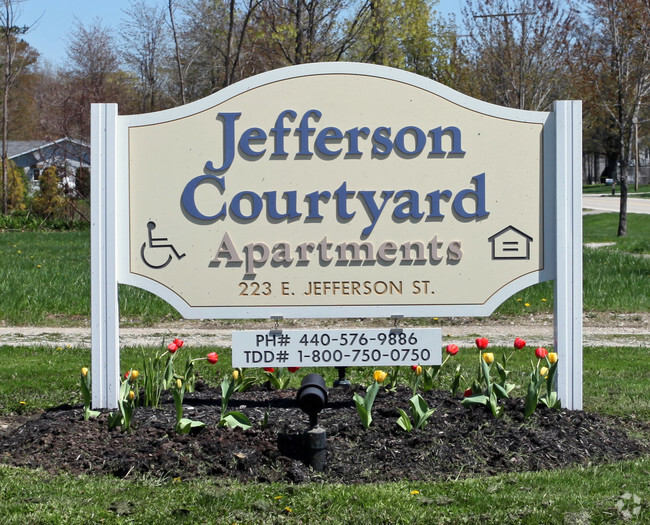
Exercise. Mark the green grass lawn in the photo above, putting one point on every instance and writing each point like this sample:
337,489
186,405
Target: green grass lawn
575,496
45,278
602,227
598,189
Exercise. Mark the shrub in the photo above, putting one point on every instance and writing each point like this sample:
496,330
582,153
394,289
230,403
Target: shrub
16,191
49,201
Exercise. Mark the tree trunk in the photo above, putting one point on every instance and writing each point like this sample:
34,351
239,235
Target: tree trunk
5,109
181,76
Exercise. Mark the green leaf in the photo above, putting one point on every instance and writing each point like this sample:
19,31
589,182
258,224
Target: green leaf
227,389
178,403
371,393
531,398
500,392
126,410
418,405
114,419
85,388
503,373
169,373
421,411
275,382
366,417
551,378
486,372
90,413
551,401
244,384
185,425
427,379
473,401
455,384
236,419
404,421
124,390
497,411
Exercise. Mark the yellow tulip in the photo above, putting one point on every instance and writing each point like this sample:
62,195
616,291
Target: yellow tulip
235,374
84,371
418,370
131,395
179,383
543,372
488,357
134,375
379,376
552,357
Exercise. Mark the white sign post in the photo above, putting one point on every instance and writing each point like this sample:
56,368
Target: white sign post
336,190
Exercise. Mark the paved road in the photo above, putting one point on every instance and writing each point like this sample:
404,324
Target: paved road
609,203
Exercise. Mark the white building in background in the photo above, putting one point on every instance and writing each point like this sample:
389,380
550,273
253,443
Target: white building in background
70,156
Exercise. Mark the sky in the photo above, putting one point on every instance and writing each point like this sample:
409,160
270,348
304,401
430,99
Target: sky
52,20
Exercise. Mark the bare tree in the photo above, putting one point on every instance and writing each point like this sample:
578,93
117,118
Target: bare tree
145,48
621,65
219,43
8,17
518,50
91,74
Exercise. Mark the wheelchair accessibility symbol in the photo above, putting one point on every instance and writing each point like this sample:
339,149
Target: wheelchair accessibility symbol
155,243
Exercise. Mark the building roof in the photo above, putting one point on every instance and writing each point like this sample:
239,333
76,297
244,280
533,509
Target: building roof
16,148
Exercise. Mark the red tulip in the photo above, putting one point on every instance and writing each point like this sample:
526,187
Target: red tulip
293,369
270,370
452,349
541,353
212,357
172,347
179,343
467,392
519,343
482,343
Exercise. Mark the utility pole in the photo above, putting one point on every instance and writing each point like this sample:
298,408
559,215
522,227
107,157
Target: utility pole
636,123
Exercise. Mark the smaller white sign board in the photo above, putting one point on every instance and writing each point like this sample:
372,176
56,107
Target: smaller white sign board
368,347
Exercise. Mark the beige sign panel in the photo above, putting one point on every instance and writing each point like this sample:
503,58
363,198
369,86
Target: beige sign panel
327,188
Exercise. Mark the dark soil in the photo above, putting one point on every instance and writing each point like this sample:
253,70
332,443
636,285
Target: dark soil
457,442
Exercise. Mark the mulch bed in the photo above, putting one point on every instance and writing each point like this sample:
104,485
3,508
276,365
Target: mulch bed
457,442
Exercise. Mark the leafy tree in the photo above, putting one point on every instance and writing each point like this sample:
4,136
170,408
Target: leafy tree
303,31
404,34
49,201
